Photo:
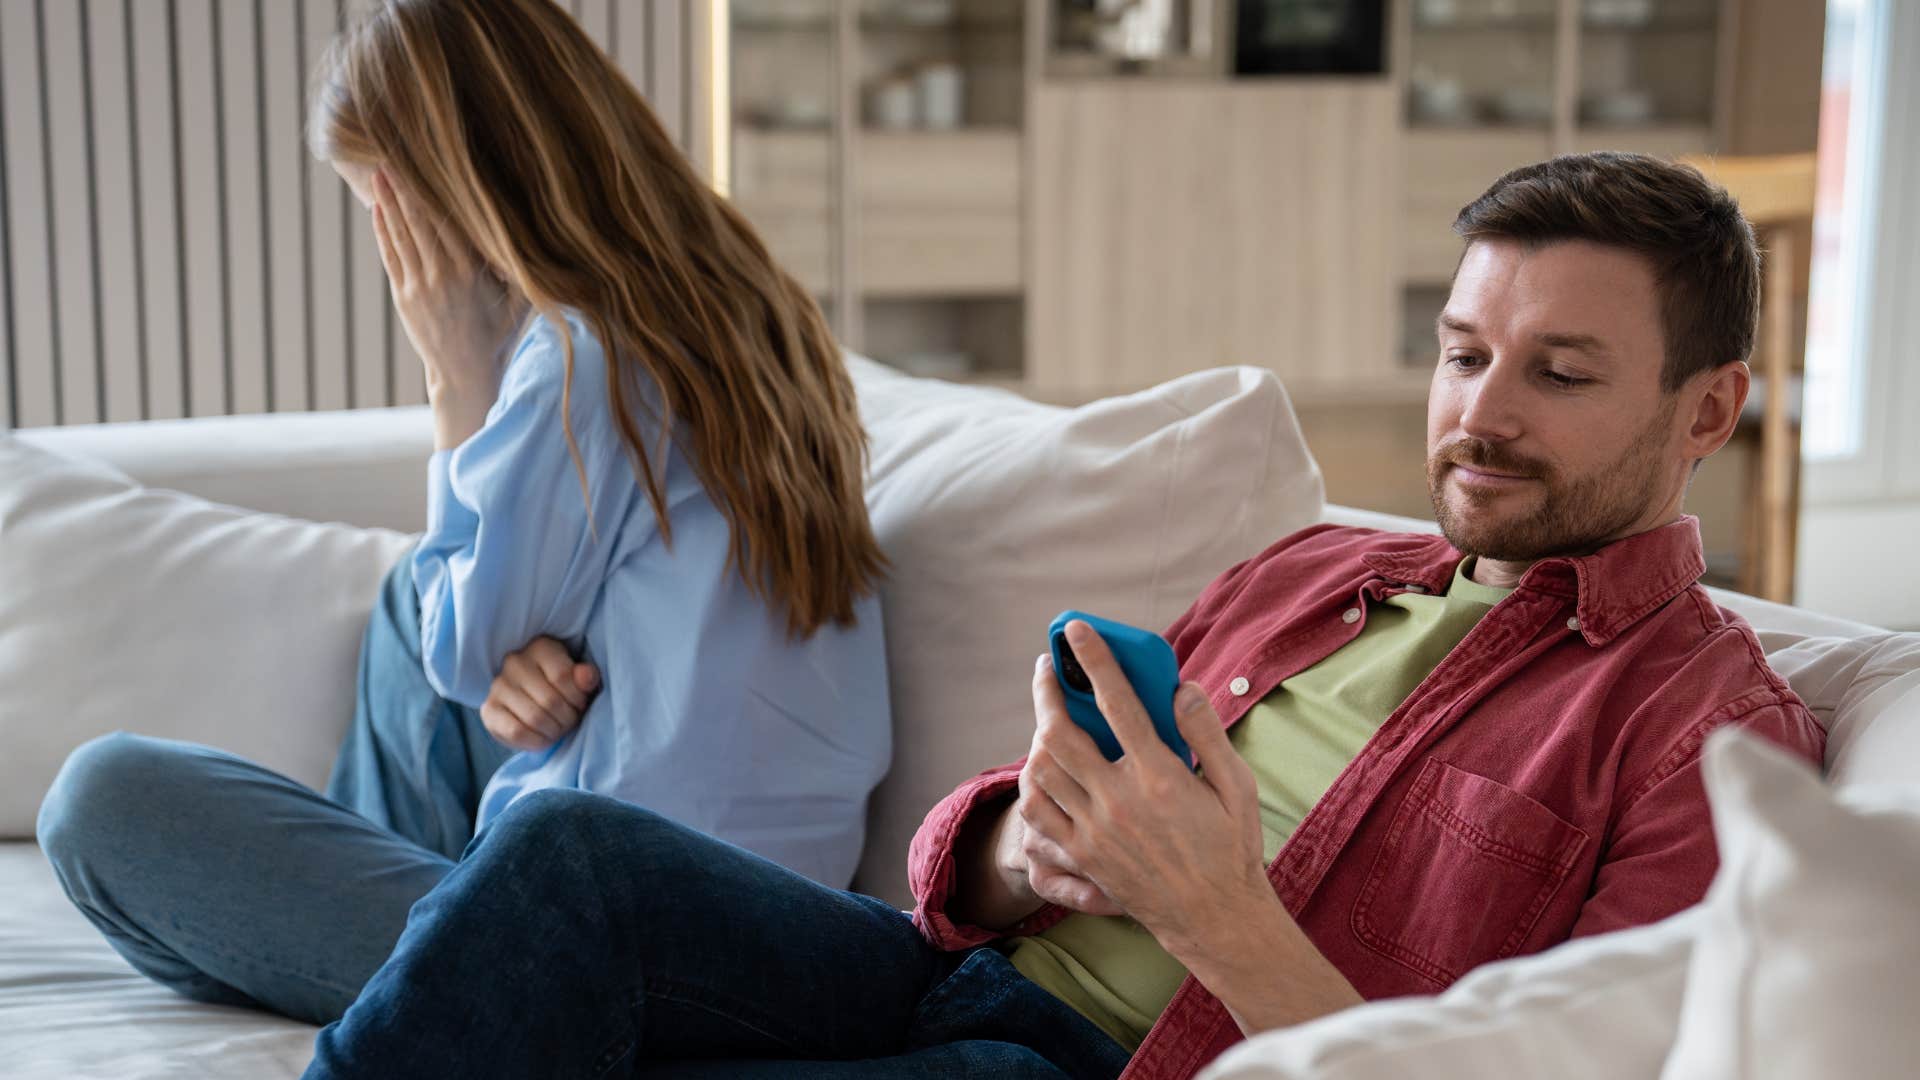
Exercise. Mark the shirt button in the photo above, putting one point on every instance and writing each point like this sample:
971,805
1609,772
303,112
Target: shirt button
1352,616
1238,686
1573,624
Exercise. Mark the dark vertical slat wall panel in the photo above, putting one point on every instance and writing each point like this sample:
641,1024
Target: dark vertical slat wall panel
371,309
244,266
33,327
89,162
70,232
327,252
157,203
117,269
282,116
203,220
8,417
167,245
592,17
666,42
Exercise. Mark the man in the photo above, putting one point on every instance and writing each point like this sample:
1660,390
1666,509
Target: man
1416,754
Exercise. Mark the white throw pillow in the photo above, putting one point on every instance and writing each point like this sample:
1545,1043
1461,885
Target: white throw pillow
1597,1008
1809,962
123,607
998,513
1865,691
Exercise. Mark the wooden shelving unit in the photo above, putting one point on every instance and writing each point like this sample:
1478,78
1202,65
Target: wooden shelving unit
1492,87
1094,226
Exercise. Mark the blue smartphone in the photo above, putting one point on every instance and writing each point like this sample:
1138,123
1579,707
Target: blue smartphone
1149,665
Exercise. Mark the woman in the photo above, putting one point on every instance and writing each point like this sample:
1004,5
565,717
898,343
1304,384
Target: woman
647,482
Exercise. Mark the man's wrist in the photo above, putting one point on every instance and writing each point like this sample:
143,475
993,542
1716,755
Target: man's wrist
1010,862
1237,952
1222,931
992,891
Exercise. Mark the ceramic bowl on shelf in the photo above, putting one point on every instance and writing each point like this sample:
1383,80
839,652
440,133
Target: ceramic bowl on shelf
1440,101
1521,105
1620,13
1619,108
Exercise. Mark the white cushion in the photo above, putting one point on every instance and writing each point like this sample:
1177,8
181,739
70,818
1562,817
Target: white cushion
1809,962
358,466
999,513
1865,691
152,611
1598,1007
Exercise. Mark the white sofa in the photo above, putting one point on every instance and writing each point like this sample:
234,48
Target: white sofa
127,606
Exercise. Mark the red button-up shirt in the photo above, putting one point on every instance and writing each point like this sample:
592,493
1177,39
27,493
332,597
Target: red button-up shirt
1543,782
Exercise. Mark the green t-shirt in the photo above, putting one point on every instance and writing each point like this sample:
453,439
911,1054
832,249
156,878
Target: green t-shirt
1297,740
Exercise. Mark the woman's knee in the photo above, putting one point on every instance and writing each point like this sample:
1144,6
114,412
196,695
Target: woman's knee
558,829
551,816
107,783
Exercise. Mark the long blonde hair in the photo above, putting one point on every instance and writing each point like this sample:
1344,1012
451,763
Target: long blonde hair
507,121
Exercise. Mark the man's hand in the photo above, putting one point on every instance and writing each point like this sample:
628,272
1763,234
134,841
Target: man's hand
1178,851
1035,866
538,696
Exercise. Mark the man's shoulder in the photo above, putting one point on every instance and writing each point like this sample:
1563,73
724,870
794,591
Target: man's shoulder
1703,667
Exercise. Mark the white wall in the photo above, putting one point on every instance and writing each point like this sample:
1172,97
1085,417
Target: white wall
1861,525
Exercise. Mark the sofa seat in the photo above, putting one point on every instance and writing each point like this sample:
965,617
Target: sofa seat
70,1007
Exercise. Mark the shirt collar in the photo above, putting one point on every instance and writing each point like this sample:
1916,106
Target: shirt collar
1613,588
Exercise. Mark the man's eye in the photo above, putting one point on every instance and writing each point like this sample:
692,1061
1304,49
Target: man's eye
1463,360
1564,380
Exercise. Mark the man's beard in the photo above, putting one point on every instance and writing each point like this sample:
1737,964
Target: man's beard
1573,516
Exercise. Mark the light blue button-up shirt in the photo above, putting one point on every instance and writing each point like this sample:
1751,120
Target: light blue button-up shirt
707,713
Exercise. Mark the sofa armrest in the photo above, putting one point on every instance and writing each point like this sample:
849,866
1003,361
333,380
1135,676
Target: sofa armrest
1335,514
364,467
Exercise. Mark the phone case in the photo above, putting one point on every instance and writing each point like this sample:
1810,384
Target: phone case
1149,665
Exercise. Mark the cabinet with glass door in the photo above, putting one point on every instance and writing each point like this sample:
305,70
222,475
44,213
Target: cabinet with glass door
877,146
1495,84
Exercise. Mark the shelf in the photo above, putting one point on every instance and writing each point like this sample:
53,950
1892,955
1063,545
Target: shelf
1481,127
939,211
878,24
1658,25
1533,24
897,24
764,24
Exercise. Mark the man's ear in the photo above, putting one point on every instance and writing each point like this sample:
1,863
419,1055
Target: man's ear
1712,404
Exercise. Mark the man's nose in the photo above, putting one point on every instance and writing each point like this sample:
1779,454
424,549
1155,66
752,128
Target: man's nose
1492,407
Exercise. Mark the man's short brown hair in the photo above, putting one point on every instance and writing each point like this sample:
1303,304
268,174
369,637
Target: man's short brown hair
1701,248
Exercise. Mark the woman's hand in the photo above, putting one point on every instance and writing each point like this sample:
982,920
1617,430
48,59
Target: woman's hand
459,317
538,696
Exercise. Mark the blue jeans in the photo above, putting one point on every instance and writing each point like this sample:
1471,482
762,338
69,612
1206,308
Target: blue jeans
233,884
585,937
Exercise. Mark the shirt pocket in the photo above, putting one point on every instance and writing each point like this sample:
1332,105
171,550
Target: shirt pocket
1466,870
